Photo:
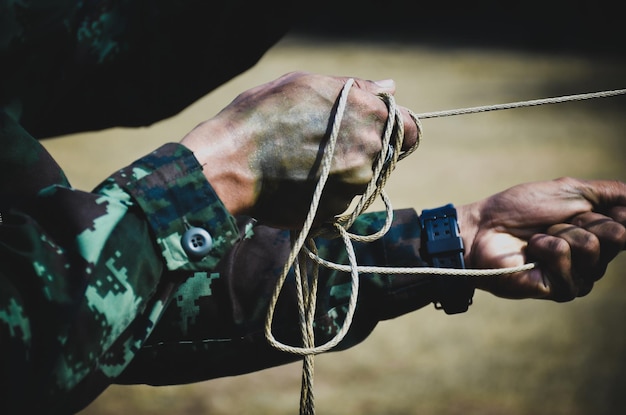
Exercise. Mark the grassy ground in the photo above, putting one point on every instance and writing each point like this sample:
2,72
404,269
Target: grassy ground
502,357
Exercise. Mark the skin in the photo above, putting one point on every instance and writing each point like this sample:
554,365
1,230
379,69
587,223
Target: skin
258,154
572,228
262,147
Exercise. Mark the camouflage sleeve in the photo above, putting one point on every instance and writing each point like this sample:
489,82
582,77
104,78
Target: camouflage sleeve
215,325
85,276
172,193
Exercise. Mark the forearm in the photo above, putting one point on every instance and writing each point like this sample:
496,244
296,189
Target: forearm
82,275
215,325
73,305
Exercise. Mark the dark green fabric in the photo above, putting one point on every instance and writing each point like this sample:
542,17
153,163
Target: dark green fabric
71,66
82,275
89,295
95,287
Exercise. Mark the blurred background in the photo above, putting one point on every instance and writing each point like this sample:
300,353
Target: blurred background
503,356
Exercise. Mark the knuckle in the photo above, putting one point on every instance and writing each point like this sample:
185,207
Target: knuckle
618,236
559,247
564,296
590,243
585,289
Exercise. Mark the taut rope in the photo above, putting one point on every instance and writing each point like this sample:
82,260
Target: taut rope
303,245
520,104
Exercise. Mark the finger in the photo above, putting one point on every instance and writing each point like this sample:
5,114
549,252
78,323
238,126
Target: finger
554,255
388,86
412,130
618,214
610,233
604,194
520,285
385,86
585,254
584,249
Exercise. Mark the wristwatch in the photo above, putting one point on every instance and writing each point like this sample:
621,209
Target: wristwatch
442,247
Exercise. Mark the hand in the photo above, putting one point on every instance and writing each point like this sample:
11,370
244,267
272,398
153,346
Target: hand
571,228
262,152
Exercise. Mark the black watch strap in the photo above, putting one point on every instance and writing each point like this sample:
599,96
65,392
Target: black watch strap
442,247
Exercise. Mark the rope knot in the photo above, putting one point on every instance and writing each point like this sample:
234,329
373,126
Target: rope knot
304,252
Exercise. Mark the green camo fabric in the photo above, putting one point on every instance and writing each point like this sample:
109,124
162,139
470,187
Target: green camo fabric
95,288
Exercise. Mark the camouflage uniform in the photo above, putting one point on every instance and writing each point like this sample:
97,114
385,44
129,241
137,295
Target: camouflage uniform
96,287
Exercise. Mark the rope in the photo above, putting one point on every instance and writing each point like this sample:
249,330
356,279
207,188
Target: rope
521,104
304,253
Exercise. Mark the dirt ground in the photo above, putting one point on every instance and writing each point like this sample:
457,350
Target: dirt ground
502,357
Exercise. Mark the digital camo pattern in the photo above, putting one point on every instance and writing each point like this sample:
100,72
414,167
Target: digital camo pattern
215,324
91,64
82,279
90,296
105,300
176,166
94,286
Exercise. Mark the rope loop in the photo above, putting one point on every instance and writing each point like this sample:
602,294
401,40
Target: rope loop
304,256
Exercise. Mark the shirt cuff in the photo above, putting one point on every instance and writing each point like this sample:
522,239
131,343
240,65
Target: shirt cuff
173,193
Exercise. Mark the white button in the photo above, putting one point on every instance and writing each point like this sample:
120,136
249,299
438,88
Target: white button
197,242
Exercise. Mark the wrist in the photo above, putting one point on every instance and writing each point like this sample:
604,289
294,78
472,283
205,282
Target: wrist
468,218
224,165
443,247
